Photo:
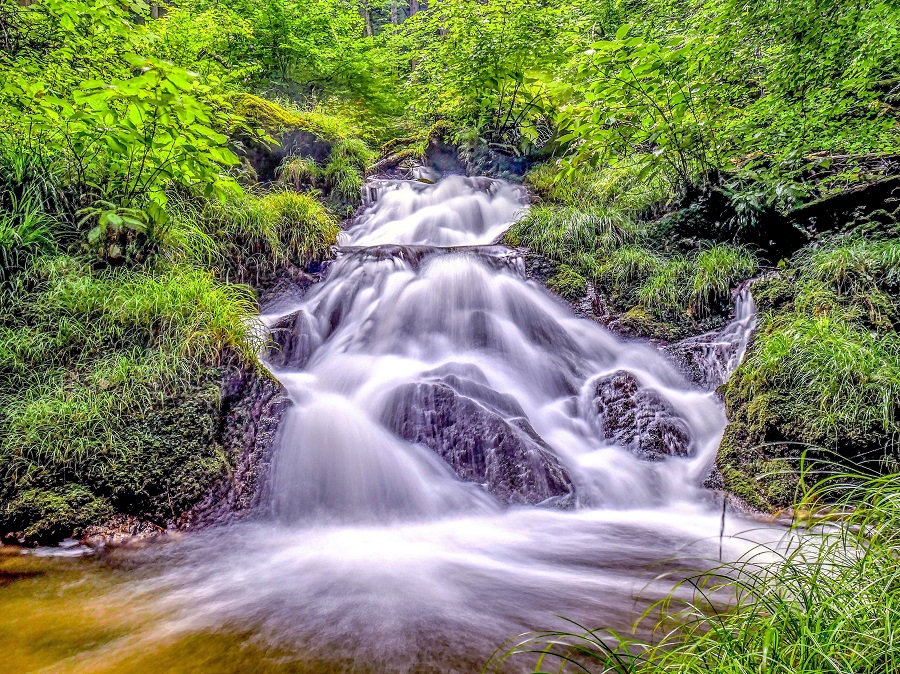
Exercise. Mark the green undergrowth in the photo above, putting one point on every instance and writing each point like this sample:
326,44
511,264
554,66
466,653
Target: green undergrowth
592,224
111,377
823,600
253,234
823,369
109,391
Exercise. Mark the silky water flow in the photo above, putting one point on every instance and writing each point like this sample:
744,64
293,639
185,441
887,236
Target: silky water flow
463,460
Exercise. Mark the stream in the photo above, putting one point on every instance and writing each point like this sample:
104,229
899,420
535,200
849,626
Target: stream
463,460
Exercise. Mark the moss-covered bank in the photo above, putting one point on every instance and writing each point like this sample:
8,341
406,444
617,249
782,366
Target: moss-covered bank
821,379
130,392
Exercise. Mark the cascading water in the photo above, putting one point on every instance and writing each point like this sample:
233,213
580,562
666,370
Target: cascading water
713,356
463,459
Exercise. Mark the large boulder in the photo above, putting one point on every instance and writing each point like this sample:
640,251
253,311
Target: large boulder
484,436
639,419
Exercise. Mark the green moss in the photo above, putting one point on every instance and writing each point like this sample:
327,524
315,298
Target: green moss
47,515
274,118
765,475
641,322
154,460
568,283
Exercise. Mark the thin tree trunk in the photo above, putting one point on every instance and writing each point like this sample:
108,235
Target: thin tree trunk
367,16
154,10
394,19
413,7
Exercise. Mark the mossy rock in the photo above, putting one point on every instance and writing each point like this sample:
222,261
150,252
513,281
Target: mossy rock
273,118
164,460
641,322
774,292
765,476
48,515
568,283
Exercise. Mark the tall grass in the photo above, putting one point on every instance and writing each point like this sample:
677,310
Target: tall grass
839,378
92,347
608,245
26,232
823,600
698,284
854,264
561,232
268,228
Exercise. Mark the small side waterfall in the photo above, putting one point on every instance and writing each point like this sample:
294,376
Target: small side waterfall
464,458
713,356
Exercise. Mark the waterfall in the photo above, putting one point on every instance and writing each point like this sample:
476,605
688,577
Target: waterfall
463,459
713,356
438,379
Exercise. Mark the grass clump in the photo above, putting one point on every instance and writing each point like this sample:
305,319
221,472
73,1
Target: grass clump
254,234
562,232
26,233
823,369
109,393
823,600
619,186
610,248
840,379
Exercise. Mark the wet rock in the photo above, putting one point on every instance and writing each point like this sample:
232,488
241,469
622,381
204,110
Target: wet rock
483,435
294,338
639,419
253,404
120,530
710,358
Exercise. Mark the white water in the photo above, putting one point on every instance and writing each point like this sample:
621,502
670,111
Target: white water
375,554
717,354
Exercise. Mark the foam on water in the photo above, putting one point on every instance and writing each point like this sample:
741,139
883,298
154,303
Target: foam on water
373,548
